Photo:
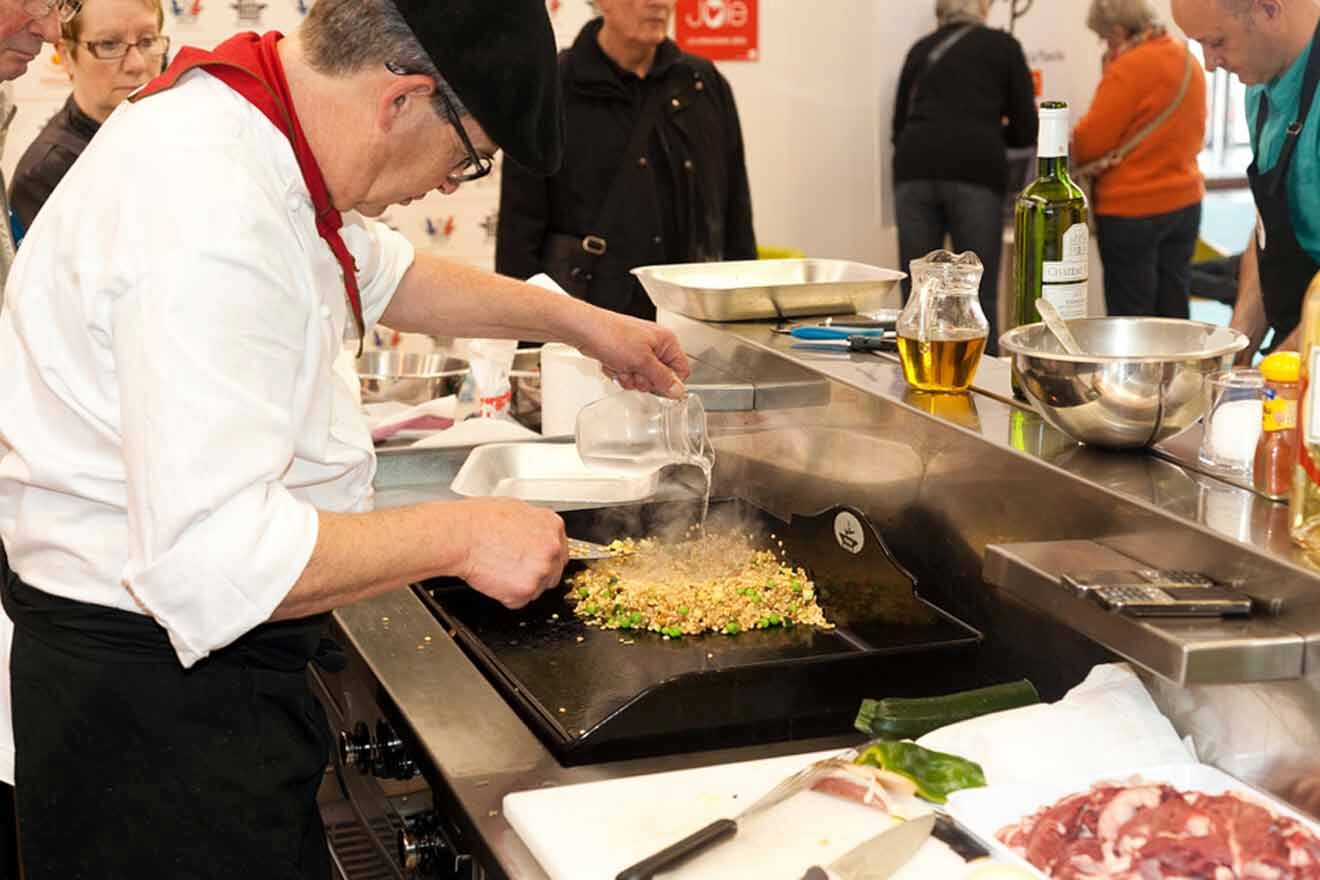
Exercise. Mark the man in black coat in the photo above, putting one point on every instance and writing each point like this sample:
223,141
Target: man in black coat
653,172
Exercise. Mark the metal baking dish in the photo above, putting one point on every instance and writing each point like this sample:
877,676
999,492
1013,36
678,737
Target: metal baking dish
750,290
546,472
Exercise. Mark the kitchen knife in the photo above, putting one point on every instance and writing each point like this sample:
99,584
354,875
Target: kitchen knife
721,829
880,856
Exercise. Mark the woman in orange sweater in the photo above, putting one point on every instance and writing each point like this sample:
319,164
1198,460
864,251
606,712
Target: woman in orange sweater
1147,206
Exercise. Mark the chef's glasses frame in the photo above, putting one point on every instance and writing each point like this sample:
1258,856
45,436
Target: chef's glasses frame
66,9
477,165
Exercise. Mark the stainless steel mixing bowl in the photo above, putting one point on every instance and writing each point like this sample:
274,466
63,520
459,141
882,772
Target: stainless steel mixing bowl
409,377
1140,381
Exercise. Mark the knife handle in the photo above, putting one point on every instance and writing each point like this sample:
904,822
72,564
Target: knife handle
951,833
677,853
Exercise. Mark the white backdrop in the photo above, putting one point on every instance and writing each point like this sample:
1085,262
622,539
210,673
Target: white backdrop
816,112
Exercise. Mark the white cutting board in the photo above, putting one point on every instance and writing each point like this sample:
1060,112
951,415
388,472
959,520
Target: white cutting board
594,830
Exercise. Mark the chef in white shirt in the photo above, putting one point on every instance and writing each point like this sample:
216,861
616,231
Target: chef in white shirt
186,484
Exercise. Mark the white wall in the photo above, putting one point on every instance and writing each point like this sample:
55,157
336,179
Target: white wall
816,112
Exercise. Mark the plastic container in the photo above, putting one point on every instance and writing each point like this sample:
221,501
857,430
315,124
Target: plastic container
569,381
1276,450
636,432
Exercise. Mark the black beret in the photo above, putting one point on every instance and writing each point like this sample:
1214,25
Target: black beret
499,58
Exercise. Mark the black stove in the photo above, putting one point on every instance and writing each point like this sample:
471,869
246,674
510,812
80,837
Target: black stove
597,695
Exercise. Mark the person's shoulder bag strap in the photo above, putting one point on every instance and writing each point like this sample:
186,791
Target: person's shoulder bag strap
940,50
1113,157
582,253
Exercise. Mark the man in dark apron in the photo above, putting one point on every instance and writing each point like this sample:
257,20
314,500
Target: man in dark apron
185,482
1271,46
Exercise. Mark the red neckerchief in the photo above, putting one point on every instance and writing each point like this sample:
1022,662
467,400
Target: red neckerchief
250,65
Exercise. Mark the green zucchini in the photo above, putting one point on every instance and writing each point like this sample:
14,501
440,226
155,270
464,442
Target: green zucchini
909,718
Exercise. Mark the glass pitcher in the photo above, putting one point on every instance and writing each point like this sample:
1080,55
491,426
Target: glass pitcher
942,330
640,433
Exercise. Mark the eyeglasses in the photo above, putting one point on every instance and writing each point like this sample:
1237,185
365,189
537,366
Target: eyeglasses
110,50
476,165
66,9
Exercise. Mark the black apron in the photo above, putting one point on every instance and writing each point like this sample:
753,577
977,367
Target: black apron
128,766
1285,268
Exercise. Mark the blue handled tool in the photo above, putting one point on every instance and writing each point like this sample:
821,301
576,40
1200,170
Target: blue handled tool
835,332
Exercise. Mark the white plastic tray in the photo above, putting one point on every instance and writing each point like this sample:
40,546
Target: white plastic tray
546,472
984,811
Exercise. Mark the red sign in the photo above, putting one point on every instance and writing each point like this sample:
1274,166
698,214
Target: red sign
722,30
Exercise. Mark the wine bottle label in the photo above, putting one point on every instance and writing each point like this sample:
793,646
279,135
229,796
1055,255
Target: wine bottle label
1064,282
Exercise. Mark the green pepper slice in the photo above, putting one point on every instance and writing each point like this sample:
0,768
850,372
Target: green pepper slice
935,774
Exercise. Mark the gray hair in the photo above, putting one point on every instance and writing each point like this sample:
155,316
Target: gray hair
344,37
959,10
1129,16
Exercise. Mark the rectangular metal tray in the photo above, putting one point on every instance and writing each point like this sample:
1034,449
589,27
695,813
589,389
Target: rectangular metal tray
751,290
546,472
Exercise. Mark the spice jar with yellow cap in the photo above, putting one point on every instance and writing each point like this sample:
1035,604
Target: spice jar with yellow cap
1276,450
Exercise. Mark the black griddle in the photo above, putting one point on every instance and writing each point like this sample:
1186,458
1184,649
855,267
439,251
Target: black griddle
597,695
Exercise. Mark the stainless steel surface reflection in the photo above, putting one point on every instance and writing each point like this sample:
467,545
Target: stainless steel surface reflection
1142,379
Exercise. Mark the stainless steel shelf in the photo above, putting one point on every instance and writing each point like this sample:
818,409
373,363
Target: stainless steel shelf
1188,651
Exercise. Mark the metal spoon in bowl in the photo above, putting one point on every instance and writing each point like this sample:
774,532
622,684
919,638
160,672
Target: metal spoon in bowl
1059,327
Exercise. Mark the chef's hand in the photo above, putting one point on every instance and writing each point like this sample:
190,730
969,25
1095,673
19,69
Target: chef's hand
514,551
638,354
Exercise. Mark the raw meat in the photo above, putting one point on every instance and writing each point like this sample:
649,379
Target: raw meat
1152,831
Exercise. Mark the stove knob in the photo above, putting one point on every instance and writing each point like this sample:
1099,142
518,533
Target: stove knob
421,847
391,757
356,749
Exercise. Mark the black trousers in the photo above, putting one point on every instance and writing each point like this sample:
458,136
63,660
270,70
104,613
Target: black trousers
1147,262
129,766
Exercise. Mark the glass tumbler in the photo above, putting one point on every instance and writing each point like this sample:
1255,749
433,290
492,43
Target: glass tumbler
640,433
1232,420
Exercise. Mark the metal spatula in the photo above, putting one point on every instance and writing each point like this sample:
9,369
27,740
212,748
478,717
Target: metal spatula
585,550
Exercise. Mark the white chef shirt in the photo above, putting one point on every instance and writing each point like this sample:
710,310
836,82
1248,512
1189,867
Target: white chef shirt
171,413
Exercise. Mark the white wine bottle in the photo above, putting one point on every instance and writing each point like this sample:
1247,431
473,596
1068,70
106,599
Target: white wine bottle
1050,236
1051,240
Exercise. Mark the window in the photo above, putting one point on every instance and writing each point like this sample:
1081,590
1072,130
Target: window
1227,150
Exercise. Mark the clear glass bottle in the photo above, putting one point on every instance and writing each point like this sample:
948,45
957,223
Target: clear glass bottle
942,331
1051,240
1304,501
641,433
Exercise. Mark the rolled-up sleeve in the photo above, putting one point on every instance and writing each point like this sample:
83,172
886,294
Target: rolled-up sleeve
210,344
383,257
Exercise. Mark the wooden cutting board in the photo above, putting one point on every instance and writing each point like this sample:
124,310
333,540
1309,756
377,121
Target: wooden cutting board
593,831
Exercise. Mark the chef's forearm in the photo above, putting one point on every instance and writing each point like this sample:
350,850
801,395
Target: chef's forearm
1249,310
446,298
359,555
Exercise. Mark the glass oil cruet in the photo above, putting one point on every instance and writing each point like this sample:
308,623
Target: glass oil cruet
942,330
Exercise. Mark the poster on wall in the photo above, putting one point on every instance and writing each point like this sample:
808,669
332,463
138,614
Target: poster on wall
721,30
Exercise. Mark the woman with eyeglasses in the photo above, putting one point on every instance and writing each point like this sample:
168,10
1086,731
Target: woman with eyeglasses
109,50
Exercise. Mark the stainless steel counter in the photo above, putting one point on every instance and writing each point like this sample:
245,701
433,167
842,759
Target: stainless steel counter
944,478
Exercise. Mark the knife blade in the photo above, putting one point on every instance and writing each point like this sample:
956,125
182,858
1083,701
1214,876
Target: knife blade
720,829
879,857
